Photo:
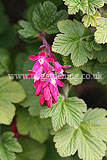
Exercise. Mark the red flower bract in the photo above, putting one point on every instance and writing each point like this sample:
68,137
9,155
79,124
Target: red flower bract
46,72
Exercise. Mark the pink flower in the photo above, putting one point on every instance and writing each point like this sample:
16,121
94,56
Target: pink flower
46,76
59,68
42,60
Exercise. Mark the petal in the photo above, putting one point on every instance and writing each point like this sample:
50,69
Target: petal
33,58
30,71
45,83
49,59
49,103
35,84
47,93
57,91
42,53
38,89
28,76
42,46
66,66
60,83
42,99
57,65
55,97
45,67
52,88
36,66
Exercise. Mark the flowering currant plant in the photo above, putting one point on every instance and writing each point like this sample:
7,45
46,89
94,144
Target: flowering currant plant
54,106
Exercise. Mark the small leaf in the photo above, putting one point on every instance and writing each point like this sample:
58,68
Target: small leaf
91,19
101,71
46,17
31,150
76,5
68,111
4,60
34,126
101,55
92,4
31,101
53,155
27,30
10,92
87,139
76,76
101,32
8,146
19,61
71,40
91,44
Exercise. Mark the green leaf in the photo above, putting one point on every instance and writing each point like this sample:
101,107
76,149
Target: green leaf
31,150
10,92
2,70
101,32
87,139
86,6
106,150
76,5
9,145
75,75
53,155
91,44
27,30
88,67
46,17
34,126
31,101
92,4
19,61
68,111
103,11
4,60
91,19
71,40
101,55
101,71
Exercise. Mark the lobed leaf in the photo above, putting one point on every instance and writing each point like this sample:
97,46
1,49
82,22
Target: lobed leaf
76,5
71,41
100,73
91,20
101,32
46,17
27,30
87,138
68,111
34,126
32,101
10,92
31,150
9,145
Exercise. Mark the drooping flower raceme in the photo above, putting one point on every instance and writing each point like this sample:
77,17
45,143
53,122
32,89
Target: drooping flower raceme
46,72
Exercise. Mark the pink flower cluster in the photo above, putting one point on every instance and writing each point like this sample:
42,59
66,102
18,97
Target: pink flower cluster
46,72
